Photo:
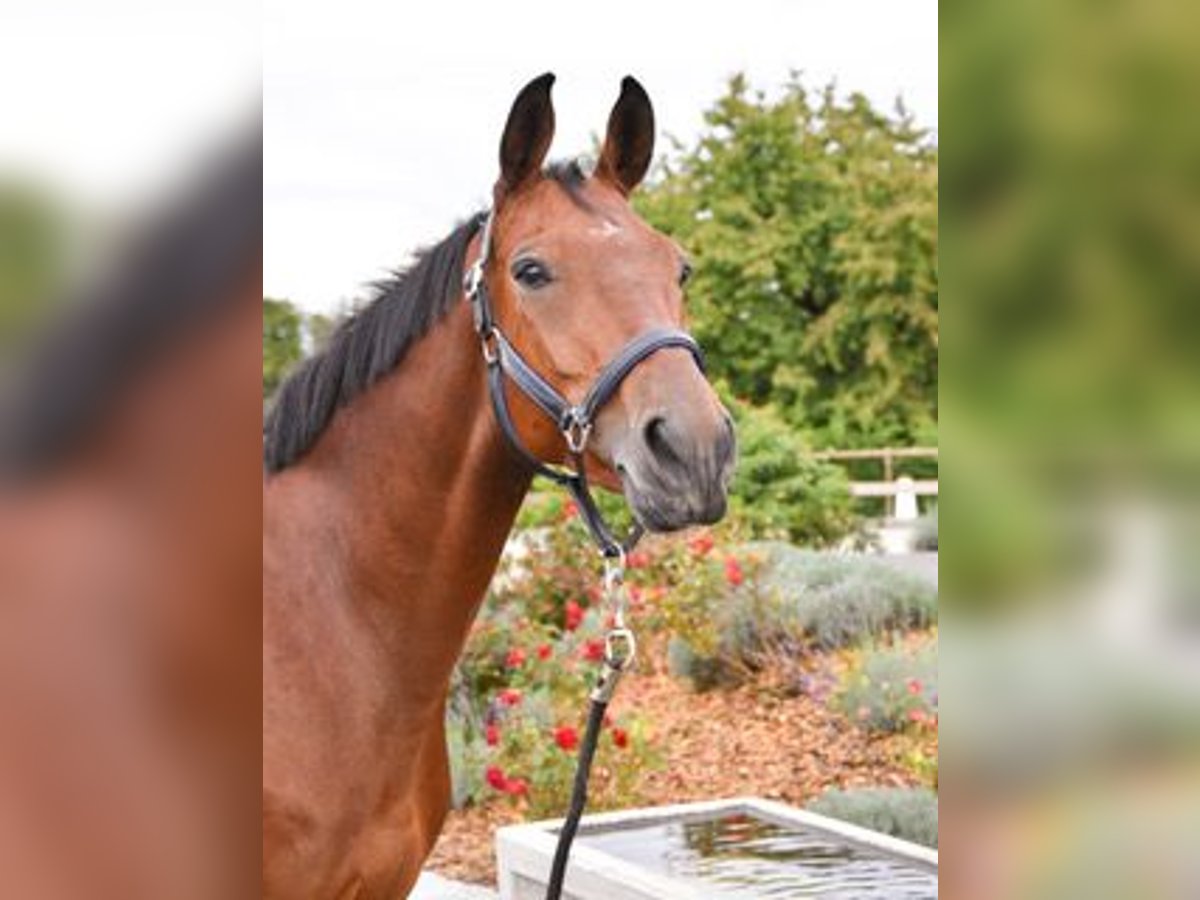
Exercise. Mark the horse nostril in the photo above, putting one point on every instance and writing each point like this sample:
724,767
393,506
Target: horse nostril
655,434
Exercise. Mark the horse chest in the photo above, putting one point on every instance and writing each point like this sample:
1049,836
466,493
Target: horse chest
362,830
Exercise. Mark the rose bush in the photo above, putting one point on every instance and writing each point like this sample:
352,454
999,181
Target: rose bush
528,721
520,690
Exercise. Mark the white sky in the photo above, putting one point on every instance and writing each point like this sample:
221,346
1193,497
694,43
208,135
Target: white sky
382,119
108,104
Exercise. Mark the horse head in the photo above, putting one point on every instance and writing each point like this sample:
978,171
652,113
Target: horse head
576,278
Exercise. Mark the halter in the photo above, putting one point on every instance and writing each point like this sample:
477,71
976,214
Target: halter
573,421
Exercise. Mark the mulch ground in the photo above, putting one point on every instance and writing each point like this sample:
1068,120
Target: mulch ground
751,740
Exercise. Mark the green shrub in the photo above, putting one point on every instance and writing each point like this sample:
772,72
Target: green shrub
705,672
467,750
892,690
910,814
791,602
834,601
779,490
713,615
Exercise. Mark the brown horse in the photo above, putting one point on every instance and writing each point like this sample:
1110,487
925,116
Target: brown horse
129,570
392,489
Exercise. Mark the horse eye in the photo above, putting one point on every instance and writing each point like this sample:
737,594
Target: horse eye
685,273
530,273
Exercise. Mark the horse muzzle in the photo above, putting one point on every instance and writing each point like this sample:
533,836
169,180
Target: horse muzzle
676,472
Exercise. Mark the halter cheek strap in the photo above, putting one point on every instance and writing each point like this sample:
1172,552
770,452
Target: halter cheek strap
574,422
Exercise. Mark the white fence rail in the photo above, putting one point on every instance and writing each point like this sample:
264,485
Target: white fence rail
900,495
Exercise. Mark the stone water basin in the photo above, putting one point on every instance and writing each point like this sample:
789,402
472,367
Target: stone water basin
735,849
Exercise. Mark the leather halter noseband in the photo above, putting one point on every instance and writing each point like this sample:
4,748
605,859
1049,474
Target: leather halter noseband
574,421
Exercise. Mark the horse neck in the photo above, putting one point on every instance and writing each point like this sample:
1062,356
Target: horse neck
426,494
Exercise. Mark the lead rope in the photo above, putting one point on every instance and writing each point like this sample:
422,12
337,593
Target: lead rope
620,648
575,424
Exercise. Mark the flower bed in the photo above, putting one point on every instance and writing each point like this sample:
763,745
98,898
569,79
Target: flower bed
788,636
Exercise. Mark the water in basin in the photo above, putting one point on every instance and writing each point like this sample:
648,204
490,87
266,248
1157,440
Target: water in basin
744,856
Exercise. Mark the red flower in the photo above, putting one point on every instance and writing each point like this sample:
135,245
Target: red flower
593,650
637,560
510,697
574,615
544,651
492,735
495,777
566,737
733,572
570,510
515,658
918,716
914,686
701,543
518,787
620,737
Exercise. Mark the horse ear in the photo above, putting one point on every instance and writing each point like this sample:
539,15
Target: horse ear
629,144
527,134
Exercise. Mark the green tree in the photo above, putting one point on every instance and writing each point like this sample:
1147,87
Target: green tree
282,329
812,225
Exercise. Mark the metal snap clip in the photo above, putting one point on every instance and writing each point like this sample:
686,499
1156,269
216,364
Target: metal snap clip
620,648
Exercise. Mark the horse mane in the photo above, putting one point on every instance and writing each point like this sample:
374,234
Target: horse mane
371,342
365,347
181,268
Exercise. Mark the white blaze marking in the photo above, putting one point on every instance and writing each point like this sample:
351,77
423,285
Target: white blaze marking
606,230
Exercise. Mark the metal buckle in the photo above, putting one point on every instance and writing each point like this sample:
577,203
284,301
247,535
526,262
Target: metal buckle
489,342
576,431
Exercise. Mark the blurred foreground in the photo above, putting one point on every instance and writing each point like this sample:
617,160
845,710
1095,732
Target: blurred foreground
1071,627
130,425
